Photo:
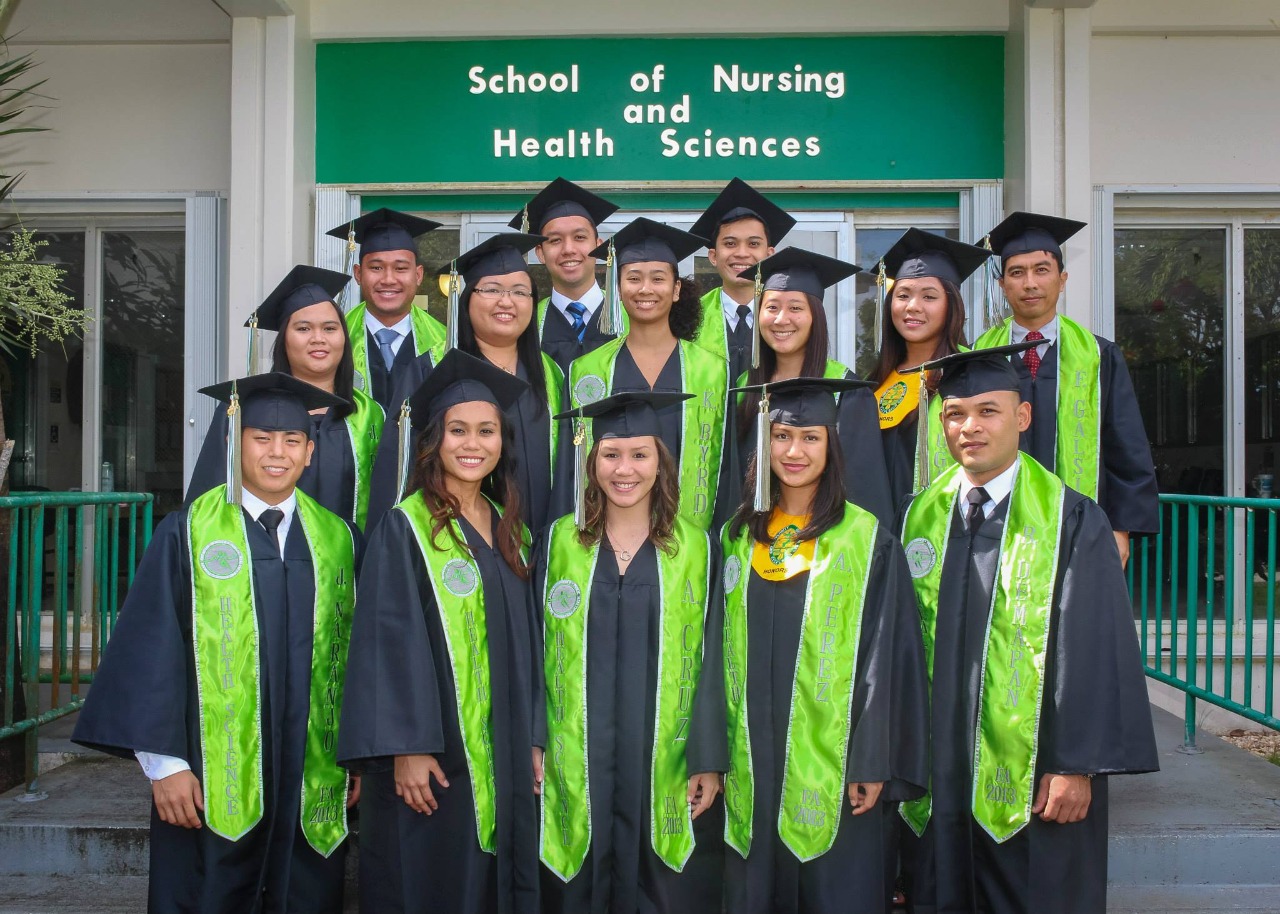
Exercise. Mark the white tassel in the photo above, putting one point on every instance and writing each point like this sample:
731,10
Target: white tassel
403,456
763,501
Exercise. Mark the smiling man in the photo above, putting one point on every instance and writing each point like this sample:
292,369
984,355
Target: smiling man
569,318
1037,680
224,675
1085,422
389,276
743,228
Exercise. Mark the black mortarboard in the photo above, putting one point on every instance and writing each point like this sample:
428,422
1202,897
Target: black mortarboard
1023,233
562,198
739,200
795,269
644,240
919,253
303,287
977,371
497,255
626,415
273,402
384,230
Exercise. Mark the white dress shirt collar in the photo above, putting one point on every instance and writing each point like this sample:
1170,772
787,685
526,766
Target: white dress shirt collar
998,489
1018,333
255,506
402,327
590,300
731,310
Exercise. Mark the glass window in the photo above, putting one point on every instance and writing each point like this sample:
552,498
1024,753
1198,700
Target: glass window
1261,357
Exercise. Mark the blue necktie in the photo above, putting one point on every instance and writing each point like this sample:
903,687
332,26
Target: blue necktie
385,337
578,312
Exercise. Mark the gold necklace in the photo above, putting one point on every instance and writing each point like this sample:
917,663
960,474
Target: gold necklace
624,554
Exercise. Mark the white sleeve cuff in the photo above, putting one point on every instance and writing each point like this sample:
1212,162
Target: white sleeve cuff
157,767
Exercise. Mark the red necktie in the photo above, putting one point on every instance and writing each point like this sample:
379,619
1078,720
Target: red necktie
1031,358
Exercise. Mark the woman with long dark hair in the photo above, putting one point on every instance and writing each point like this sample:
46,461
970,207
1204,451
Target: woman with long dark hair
923,319
634,755
795,344
311,344
823,672
495,322
657,354
443,708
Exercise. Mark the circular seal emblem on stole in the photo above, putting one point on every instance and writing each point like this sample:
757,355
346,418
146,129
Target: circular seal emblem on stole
920,556
589,389
221,559
564,598
459,577
732,572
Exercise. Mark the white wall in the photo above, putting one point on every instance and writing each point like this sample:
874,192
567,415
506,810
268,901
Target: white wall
1186,109
415,18
129,117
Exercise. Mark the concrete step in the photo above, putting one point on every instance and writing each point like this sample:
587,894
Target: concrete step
1255,899
73,894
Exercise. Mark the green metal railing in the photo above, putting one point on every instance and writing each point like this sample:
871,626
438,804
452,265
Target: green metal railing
72,556
1204,590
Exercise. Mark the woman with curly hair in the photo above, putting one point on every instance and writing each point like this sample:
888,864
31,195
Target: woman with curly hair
923,320
635,746
657,354
443,711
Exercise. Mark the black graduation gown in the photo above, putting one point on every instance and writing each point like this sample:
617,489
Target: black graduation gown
866,479
400,700
330,478
144,698
1127,485
381,384
899,445
560,341
887,743
621,873
1095,720
531,431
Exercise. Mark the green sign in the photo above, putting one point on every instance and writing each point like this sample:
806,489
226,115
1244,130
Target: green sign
876,108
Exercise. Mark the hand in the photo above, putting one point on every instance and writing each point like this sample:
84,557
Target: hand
413,781
1122,543
177,798
1063,798
702,791
537,771
353,792
863,796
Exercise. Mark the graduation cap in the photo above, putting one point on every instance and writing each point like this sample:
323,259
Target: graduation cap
303,287
739,200
273,402
977,371
641,241
919,253
457,378
632,414
497,255
562,198
798,402
1023,233
382,230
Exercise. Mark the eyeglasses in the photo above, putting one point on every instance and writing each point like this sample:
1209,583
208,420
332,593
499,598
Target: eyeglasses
493,293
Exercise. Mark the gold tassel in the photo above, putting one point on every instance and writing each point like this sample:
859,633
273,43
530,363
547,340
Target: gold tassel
405,430
882,282
922,436
580,471
351,262
610,322
451,317
235,474
755,321
763,466
253,344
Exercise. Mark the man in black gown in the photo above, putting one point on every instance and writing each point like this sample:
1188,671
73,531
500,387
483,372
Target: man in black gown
150,700
569,217
1031,649
1033,279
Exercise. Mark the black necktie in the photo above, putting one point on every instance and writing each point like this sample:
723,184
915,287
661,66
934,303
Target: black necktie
271,519
976,498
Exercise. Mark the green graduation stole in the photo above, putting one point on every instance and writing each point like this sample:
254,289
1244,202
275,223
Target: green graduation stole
1077,449
702,374
566,794
427,332
225,641
455,581
818,730
1012,692
712,333
542,317
364,429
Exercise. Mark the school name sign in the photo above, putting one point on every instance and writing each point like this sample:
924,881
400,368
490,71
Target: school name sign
651,109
